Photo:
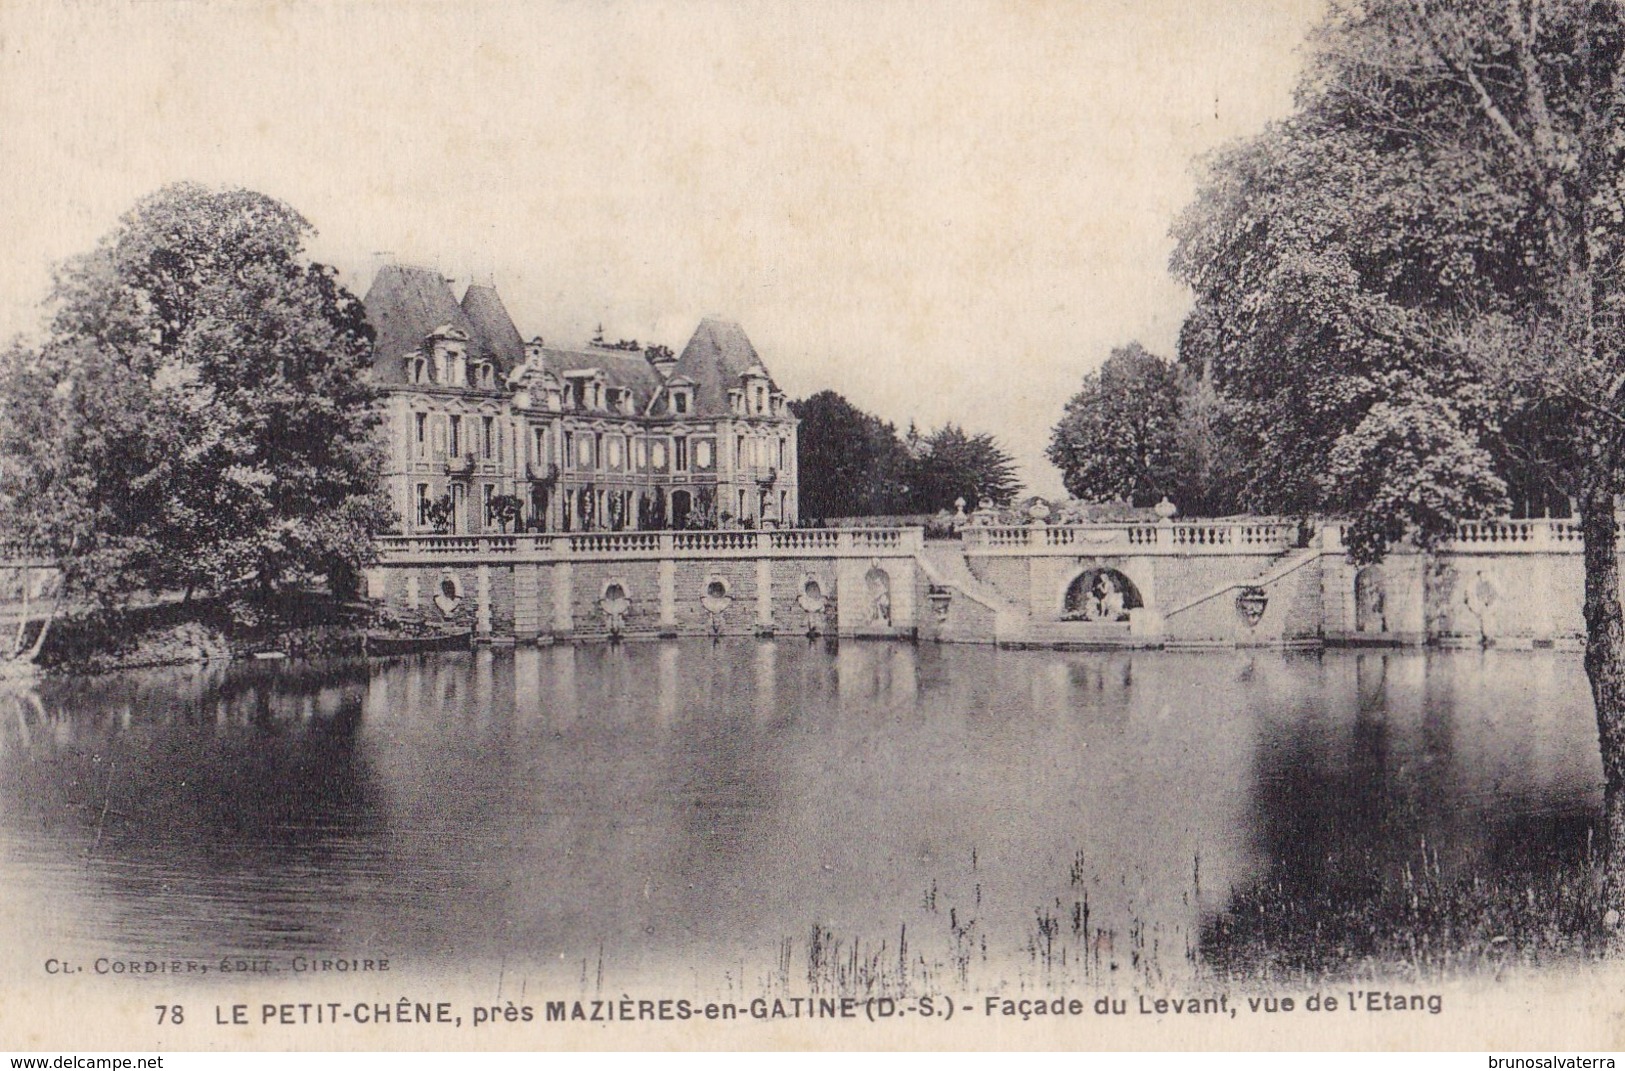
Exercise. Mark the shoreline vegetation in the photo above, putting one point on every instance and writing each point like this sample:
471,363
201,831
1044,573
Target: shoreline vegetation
1421,926
1416,926
207,631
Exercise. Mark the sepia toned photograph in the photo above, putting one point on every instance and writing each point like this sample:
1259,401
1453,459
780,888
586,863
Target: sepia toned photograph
1077,525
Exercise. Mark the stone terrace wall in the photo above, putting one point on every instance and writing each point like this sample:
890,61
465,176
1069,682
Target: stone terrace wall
529,588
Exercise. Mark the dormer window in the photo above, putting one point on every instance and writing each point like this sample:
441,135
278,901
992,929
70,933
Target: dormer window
679,402
449,346
736,401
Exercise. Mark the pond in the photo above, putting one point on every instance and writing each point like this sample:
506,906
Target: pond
765,814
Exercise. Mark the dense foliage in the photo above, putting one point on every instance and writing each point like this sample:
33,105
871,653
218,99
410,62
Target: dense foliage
853,464
1409,290
1142,429
1396,286
949,463
198,415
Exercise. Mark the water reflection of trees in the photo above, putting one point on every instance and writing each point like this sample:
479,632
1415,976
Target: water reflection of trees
1408,768
662,799
182,796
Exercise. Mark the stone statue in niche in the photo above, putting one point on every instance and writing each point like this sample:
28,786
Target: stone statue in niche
1103,595
1108,599
615,605
879,584
716,602
1481,594
1370,614
811,601
450,596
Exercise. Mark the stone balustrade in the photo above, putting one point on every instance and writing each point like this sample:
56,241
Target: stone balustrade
709,543
1248,537
1193,537
1528,536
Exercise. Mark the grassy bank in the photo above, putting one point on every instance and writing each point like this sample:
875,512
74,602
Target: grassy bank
1420,924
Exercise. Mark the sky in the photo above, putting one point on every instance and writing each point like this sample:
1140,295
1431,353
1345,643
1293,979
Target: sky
945,211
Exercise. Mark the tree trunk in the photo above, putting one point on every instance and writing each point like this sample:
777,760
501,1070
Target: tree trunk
1605,668
17,644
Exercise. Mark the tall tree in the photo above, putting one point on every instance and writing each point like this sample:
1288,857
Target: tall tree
852,464
1119,436
1411,288
951,464
1142,428
208,386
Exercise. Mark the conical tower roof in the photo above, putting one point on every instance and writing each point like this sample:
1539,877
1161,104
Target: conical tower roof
716,356
494,332
404,305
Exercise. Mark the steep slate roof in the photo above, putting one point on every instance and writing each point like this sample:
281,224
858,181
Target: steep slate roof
494,332
715,358
406,303
621,368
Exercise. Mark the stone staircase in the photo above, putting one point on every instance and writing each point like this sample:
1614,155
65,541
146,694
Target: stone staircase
1288,562
945,565
1214,618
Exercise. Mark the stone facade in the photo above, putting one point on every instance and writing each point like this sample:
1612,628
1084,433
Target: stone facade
487,433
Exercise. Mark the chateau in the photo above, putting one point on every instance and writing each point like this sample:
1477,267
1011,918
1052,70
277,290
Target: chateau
488,433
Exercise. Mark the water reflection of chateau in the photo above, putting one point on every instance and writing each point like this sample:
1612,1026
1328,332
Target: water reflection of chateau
488,433
668,798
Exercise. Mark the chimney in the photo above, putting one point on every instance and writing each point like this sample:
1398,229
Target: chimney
662,359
